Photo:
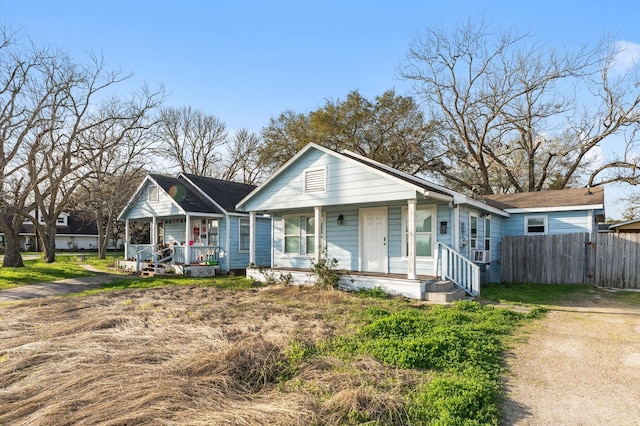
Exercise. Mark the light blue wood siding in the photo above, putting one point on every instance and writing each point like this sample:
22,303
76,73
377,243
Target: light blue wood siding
342,241
444,214
557,222
496,236
263,242
143,208
239,259
347,183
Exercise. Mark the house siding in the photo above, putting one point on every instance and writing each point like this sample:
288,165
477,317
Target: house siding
566,222
143,208
342,241
240,259
496,237
346,184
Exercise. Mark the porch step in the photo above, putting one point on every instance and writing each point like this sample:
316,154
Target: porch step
444,291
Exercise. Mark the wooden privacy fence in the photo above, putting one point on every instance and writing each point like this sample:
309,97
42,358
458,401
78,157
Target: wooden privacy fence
606,260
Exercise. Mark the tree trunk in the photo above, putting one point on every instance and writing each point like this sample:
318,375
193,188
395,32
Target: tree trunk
103,235
10,226
49,243
12,256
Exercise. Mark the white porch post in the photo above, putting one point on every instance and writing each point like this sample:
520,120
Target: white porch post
317,218
126,239
252,238
411,239
187,251
154,233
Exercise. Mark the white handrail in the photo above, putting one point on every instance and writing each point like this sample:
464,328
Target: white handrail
451,265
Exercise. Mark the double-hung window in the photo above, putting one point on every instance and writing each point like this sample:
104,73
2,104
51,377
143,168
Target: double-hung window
535,225
299,234
245,231
487,233
473,231
423,231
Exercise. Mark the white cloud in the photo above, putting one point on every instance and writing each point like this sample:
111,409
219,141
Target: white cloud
627,56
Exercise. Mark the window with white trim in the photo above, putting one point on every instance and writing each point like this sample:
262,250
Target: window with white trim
152,193
299,234
315,180
291,235
425,217
535,225
244,230
473,231
212,230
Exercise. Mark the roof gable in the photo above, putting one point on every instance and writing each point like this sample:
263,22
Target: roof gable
407,185
224,193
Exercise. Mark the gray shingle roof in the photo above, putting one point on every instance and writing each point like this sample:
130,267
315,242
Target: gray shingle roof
184,190
548,199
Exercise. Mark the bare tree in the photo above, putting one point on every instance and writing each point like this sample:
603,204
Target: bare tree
111,177
509,113
191,139
49,129
241,162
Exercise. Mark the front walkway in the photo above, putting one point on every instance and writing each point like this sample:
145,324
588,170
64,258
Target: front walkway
58,288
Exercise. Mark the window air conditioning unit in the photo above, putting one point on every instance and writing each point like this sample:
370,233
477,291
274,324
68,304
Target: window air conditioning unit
481,256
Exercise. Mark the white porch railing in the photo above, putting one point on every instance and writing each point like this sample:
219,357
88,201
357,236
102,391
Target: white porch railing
146,253
198,254
451,265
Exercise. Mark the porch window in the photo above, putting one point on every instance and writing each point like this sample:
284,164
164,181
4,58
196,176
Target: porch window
424,232
212,229
535,224
292,235
244,234
310,230
487,233
473,231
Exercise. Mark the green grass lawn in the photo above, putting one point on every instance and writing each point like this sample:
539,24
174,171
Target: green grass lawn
552,294
65,266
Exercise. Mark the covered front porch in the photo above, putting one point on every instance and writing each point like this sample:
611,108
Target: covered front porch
175,241
456,278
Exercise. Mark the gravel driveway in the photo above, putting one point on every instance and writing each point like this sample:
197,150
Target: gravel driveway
580,365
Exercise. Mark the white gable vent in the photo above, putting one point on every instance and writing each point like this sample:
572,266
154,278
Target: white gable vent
315,180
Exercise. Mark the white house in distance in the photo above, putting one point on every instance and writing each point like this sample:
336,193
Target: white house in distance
390,229
73,233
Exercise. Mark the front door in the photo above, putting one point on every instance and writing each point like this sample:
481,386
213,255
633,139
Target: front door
373,240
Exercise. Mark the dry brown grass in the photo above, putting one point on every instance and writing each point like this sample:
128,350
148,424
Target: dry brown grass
185,356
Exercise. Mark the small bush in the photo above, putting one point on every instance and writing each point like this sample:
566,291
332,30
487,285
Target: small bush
327,273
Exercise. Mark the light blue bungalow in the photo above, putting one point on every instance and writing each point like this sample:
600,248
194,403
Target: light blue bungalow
194,226
396,231
384,227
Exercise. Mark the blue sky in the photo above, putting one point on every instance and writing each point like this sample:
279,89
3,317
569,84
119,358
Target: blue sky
247,61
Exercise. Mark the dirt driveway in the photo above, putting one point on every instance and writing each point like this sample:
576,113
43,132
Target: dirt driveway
580,365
